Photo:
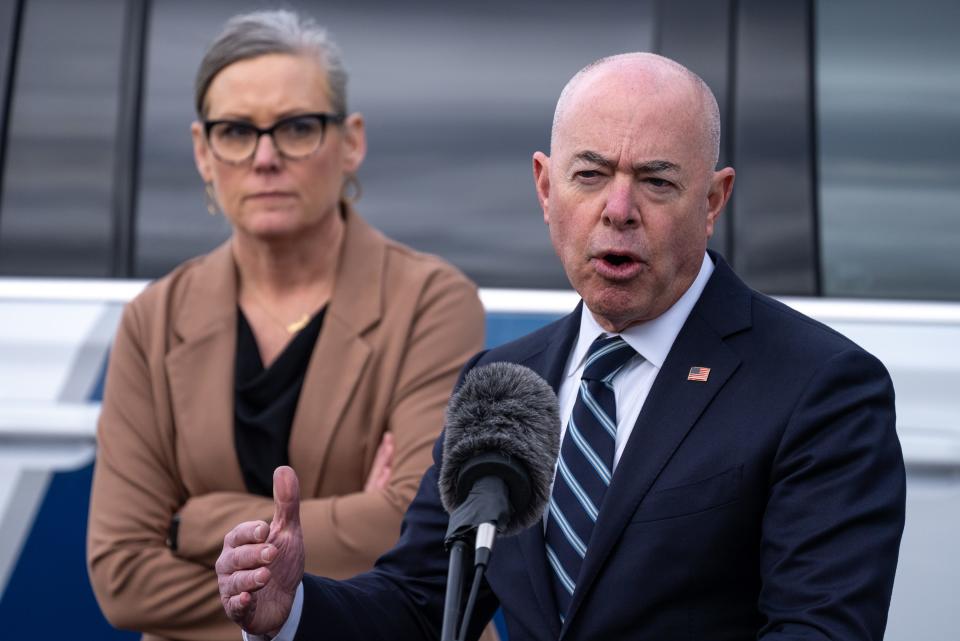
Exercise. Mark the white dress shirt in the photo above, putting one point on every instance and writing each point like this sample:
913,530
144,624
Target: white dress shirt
651,340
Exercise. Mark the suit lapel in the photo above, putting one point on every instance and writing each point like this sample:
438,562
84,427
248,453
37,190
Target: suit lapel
341,353
201,370
550,363
671,409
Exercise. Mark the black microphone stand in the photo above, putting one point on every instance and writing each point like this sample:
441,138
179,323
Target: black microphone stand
451,604
486,533
487,503
488,487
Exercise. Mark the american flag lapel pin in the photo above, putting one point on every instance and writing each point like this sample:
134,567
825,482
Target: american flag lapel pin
699,374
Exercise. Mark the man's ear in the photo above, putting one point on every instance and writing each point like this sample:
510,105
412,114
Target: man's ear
721,186
541,180
355,143
201,152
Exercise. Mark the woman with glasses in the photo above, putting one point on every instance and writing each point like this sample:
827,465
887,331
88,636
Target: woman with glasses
307,339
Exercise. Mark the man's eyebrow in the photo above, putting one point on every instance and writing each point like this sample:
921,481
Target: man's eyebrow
594,158
649,167
655,167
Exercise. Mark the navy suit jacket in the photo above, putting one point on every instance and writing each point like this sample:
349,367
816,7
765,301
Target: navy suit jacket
766,502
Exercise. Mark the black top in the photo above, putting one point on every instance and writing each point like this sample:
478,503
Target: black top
265,401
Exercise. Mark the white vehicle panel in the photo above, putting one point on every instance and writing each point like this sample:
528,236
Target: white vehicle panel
55,336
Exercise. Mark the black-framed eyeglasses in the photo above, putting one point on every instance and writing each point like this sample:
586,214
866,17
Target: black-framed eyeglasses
294,137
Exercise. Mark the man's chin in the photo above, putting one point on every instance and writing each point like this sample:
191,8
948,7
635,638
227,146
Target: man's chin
615,308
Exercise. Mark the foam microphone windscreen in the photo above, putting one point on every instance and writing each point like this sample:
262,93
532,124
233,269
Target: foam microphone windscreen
508,410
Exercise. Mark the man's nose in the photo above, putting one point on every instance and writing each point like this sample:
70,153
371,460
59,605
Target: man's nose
265,154
621,208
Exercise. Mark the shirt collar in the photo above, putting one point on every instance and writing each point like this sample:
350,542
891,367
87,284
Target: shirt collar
652,339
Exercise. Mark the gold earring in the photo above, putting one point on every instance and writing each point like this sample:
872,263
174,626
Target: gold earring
211,199
351,184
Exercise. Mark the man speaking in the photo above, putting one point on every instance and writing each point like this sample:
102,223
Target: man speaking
728,468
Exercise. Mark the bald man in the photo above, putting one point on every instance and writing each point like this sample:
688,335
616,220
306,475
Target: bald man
737,475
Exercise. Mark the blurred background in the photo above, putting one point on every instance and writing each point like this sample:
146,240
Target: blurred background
842,118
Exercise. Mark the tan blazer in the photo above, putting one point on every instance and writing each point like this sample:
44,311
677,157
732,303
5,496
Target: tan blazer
398,328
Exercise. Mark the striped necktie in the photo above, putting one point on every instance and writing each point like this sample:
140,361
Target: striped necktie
585,466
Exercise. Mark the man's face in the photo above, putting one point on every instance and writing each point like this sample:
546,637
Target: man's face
629,194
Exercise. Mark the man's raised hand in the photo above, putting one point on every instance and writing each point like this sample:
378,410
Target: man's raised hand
261,565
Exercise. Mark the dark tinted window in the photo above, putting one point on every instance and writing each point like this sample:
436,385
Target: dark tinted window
755,56
55,214
8,14
889,137
456,98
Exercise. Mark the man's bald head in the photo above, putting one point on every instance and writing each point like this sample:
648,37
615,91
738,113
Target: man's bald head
650,74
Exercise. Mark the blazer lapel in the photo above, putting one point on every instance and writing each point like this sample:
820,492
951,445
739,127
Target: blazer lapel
672,407
550,363
341,353
200,370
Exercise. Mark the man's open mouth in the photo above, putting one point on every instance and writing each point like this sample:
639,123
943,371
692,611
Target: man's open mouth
617,266
618,259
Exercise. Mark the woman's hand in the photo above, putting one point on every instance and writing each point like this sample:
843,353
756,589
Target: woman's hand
382,465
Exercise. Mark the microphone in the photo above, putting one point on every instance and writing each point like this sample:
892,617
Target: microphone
502,438
501,441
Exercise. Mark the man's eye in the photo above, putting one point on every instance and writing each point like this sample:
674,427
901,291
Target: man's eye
659,183
589,174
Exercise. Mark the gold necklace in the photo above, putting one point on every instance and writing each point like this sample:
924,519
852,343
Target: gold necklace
291,328
298,324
